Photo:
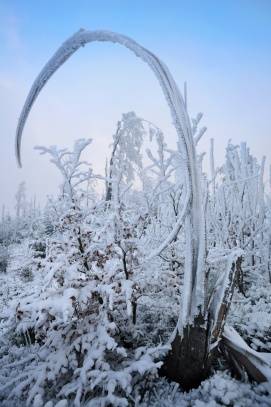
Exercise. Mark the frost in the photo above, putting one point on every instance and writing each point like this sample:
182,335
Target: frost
122,275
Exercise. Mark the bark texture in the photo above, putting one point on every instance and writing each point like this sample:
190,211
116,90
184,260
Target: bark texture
192,355
185,363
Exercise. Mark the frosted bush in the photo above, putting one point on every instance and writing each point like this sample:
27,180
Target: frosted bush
219,390
251,316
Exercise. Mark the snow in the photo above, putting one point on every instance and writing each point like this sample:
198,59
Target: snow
91,324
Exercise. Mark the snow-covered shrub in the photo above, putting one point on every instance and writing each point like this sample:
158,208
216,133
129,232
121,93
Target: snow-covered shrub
90,349
7,237
218,390
251,316
94,316
238,211
4,258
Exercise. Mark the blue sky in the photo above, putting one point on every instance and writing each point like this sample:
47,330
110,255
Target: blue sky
222,48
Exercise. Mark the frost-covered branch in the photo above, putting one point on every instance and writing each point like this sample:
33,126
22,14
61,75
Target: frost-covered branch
69,165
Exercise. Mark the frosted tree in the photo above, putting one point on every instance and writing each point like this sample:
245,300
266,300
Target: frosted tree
202,314
83,314
20,200
126,148
237,209
69,164
7,237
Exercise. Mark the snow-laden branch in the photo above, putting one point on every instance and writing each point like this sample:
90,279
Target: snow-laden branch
173,233
258,364
79,39
69,164
195,268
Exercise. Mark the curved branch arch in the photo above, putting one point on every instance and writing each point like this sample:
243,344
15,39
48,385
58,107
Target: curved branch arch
82,37
181,121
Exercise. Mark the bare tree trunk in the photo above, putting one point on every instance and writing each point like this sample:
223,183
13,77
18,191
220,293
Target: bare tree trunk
193,353
185,364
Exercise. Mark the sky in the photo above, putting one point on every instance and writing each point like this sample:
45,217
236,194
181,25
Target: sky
221,48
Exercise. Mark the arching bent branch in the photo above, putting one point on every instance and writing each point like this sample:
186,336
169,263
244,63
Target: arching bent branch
193,312
82,37
195,274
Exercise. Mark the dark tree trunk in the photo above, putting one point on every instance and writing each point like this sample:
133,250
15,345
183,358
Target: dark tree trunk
240,276
185,364
192,355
